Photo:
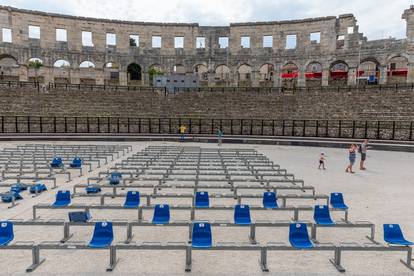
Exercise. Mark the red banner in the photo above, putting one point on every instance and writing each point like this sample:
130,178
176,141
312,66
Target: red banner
293,75
313,75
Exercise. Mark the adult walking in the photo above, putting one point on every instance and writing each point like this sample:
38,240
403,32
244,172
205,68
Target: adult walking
182,129
363,151
219,134
352,156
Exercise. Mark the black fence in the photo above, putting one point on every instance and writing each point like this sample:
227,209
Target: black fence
384,130
93,87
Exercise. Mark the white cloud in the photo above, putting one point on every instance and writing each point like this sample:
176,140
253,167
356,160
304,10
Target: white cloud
377,19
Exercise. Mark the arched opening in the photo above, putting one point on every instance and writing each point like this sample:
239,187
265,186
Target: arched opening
155,71
290,73
222,75
338,74
267,75
201,71
34,66
134,74
87,64
87,75
313,74
111,70
397,70
179,69
62,75
9,68
244,74
368,72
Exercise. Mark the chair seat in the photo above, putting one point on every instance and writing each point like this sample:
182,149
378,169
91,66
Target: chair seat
324,221
340,206
401,242
100,242
301,244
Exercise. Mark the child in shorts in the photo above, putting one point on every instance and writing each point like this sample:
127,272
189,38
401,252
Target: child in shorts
322,159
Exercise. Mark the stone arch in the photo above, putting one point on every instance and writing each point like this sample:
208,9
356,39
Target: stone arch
267,72
313,74
134,72
368,71
87,64
397,69
34,70
111,72
289,75
201,71
222,75
9,67
244,74
338,73
61,63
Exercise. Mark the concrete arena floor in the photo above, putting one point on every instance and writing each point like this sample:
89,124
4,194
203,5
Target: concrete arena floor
382,194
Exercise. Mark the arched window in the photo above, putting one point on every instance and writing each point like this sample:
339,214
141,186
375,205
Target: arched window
87,64
61,63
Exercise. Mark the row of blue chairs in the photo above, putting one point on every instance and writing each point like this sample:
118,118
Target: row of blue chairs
132,200
57,162
103,235
241,211
16,189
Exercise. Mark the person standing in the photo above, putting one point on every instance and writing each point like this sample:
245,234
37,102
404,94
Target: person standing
182,129
363,151
352,156
322,159
219,134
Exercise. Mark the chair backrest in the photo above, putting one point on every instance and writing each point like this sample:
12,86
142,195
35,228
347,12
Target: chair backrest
298,232
337,199
393,232
63,196
77,160
57,161
201,236
79,216
103,230
321,212
132,198
269,200
161,213
116,174
202,199
6,232
242,214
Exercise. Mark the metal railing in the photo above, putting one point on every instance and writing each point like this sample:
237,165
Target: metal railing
94,87
381,130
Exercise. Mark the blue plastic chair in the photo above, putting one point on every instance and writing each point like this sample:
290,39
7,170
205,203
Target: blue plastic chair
76,163
79,216
298,236
337,201
242,214
8,197
322,216
394,235
56,162
62,199
202,200
103,235
201,236
18,187
38,188
6,232
93,189
132,199
115,178
161,214
270,200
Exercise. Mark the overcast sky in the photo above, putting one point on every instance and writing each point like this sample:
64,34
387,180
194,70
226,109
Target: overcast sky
376,18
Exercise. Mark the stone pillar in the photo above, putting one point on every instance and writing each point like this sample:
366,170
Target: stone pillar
123,78
255,78
410,75
100,77
301,78
325,77
383,75
23,74
74,77
352,76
